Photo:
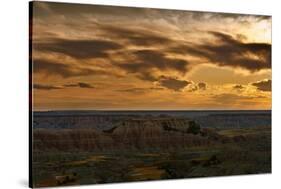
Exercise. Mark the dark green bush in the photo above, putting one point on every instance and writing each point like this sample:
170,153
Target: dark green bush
193,128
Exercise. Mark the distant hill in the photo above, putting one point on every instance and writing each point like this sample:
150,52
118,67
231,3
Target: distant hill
108,119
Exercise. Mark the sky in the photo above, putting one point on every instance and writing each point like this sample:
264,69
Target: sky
93,57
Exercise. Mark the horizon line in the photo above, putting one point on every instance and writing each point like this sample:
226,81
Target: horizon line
69,110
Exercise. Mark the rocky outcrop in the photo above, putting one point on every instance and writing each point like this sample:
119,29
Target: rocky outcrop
131,134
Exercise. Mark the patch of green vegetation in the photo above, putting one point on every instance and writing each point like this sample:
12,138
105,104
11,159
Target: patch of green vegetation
193,128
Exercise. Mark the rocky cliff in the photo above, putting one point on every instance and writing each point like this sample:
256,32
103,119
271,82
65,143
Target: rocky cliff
130,134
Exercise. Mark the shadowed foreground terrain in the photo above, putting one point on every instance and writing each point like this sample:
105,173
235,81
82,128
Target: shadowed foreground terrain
101,147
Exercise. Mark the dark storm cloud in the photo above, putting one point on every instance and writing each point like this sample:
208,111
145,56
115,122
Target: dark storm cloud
263,85
160,61
85,85
141,90
238,87
133,90
231,52
91,48
64,70
146,76
145,61
173,83
136,36
51,87
45,87
80,84
225,51
228,51
202,86
70,85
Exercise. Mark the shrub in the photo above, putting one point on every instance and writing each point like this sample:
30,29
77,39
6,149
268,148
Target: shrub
193,128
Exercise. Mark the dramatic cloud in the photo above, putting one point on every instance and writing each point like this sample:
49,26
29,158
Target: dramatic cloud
231,52
238,87
160,61
202,86
51,87
140,90
228,51
64,70
85,85
81,85
264,85
45,87
192,88
173,83
90,48
146,60
136,36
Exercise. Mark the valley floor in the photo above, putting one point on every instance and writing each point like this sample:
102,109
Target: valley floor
247,151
